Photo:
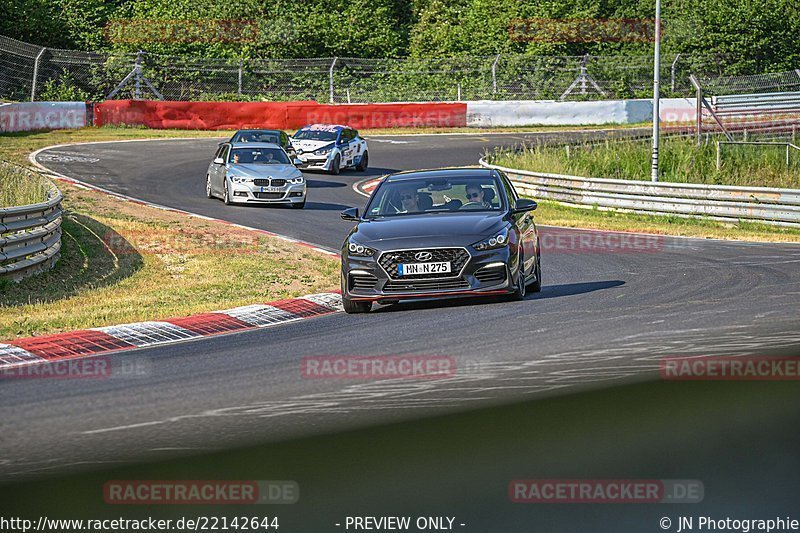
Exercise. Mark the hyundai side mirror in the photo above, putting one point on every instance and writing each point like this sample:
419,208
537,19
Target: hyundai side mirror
350,214
524,204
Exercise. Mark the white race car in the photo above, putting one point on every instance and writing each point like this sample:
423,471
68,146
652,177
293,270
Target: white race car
330,148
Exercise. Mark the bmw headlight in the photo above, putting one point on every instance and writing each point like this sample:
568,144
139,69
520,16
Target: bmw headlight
359,250
296,181
238,179
496,241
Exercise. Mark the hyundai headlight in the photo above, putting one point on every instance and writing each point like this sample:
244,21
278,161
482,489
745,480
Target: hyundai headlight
496,241
359,250
296,181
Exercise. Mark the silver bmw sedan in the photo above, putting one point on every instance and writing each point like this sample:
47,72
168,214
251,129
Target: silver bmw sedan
255,173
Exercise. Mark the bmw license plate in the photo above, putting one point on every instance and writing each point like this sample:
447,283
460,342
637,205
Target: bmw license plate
407,269
270,189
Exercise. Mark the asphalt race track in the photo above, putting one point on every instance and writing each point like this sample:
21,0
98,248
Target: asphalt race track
601,319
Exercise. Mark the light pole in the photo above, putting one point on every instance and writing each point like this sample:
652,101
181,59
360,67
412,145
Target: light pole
656,93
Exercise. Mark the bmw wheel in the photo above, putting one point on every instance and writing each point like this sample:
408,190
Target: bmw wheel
226,195
362,164
336,165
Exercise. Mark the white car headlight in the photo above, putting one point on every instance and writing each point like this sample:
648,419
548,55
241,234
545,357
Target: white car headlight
496,241
238,179
296,181
359,250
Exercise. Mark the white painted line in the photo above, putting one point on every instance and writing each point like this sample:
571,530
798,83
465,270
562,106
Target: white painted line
260,315
11,356
143,334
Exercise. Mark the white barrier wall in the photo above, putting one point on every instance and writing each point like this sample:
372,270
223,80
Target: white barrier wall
42,116
488,113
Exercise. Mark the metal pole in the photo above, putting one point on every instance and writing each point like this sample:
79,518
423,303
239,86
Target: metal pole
656,92
494,74
787,155
36,73
239,91
330,76
458,93
137,88
672,73
719,155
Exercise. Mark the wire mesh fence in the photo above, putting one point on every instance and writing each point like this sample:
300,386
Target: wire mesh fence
31,72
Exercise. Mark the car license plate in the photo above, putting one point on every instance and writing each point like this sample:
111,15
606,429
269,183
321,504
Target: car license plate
407,269
270,189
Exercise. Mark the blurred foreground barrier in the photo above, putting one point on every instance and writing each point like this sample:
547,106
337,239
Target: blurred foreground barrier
718,202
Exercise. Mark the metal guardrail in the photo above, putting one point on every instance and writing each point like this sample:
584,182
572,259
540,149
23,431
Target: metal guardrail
718,202
30,237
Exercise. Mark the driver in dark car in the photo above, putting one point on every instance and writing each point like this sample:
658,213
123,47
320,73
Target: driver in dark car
475,194
409,201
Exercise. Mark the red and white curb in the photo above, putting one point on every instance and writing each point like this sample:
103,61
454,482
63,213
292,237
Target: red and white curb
78,183
365,187
96,341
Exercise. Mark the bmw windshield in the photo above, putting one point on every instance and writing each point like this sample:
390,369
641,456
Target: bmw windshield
417,196
259,156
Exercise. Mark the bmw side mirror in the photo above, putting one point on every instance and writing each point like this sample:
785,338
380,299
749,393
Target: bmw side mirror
219,161
523,205
350,214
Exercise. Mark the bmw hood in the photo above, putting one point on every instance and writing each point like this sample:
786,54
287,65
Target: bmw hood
460,229
264,171
310,146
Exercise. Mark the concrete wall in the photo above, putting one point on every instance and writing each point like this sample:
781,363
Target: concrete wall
487,113
30,116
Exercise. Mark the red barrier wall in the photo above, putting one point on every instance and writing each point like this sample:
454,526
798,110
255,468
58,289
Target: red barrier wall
279,115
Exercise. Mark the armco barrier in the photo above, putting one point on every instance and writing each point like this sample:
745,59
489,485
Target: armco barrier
719,202
31,116
30,237
281,115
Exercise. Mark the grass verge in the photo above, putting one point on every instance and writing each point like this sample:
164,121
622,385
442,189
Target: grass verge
682,161
123,262
20,187
555,214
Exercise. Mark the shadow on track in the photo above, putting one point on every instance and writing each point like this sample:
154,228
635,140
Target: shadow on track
571,289
548,291
324,184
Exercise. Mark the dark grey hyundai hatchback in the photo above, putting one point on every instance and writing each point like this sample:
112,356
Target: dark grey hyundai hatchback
438,234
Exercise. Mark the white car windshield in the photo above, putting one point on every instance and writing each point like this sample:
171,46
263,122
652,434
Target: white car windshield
316,135
259,156
408,197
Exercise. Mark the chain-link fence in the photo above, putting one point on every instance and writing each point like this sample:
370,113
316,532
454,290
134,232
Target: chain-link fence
31,72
